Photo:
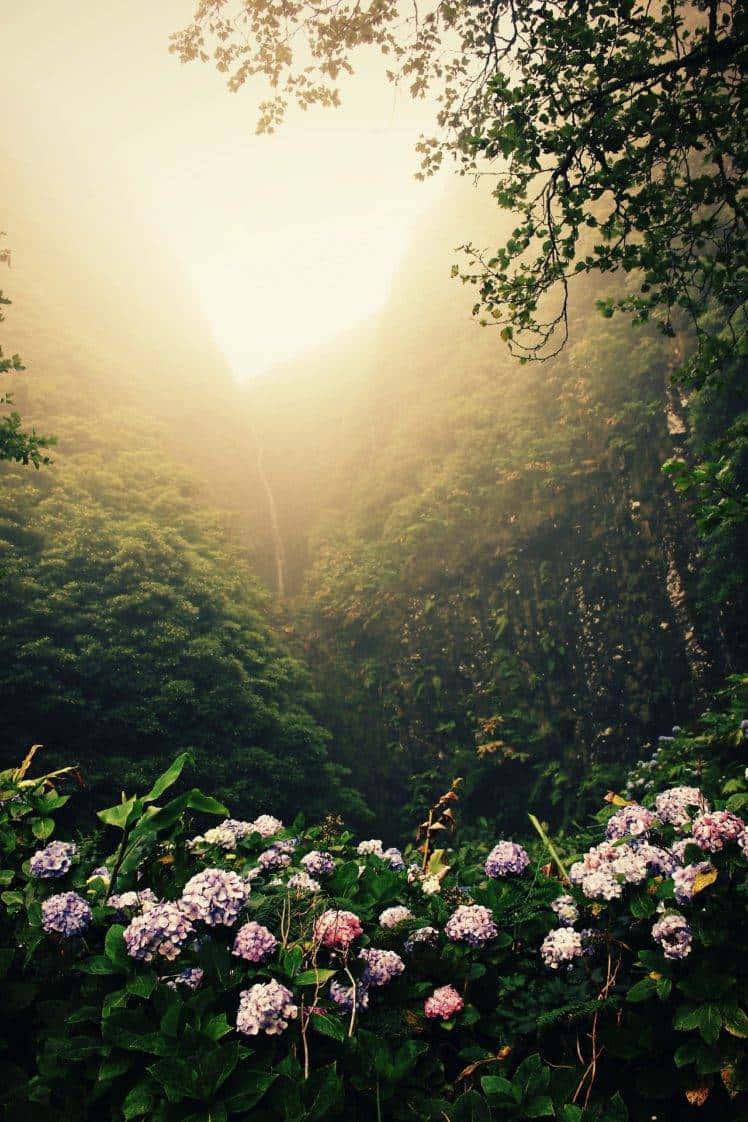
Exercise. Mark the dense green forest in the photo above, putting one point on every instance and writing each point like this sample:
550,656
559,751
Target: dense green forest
485,571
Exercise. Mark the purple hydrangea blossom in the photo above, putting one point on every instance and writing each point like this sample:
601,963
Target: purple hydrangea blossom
274,858
318,863
102,873
684,879
67,914
227,833
215,896
52,861
163,929
658,860
506,859
566,909
342,995
674,805
302,882
674,936
381,966
144,899
630,821
472,924
561,947
710,831
265,1007
443,1003
254,943
423,937
390,917
191,978
394,859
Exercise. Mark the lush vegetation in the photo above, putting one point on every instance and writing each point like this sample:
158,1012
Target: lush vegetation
300,976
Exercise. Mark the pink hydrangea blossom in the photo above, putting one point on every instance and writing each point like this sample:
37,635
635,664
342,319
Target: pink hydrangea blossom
443,1003
337,929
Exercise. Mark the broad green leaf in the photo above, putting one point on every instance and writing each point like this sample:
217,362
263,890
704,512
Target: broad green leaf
168,778
314,977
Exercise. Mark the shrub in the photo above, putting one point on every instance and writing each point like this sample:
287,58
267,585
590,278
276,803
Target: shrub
186,977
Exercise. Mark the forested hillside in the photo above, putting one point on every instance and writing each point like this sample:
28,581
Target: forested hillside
490,574
132,623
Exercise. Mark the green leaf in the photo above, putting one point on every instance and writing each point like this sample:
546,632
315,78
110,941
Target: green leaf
735,1020
217,1027
168,778
42,827
142,985
570,1112
328,1026
314,977
539,1107
642,990
496,1085
248,1089
686,1017
121,814
138,1102
114,946
710,1022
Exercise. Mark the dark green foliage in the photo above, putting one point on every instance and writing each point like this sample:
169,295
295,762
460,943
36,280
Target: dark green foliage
130,632
15,444
98,1035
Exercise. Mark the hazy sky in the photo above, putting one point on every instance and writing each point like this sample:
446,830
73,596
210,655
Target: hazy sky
286,239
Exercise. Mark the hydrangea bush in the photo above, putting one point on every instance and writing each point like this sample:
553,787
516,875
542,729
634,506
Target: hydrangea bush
168,970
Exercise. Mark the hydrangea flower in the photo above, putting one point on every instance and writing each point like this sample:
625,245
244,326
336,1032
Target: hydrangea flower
430,884
163,929
471,923
674,936
684,879
444,1003
424,936
560,947
274,858
629,821
674,805
506,859
381,966
370,848
600,884
318,863
302,882
265,825
342,995
390,917
191,978
265,1007
52,861
227,833
710,831
143,898
254,943
67,914
215,896
566,909
394,859
658,860
335,928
